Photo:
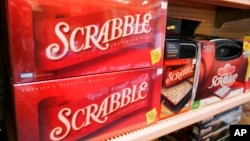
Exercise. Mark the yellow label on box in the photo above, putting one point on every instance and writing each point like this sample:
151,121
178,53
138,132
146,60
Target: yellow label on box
151,116
246,47
156,55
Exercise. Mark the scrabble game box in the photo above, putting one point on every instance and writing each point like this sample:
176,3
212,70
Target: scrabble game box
179,77
51,39
222,71
93,107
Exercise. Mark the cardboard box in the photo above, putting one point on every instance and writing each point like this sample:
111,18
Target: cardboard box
51,39
179,77
222,71
94,107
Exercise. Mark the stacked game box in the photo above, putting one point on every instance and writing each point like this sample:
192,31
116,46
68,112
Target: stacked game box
92,107
180,76
84,70
223,67
65,38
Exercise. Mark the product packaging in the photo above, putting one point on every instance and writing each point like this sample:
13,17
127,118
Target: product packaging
180,65
180,76
93,107
222,71
52,39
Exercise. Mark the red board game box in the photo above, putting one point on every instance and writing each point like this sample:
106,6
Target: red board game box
222,71
179,76
52,39
93,107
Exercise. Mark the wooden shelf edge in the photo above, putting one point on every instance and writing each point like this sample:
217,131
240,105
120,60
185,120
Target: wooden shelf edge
239,4
169,125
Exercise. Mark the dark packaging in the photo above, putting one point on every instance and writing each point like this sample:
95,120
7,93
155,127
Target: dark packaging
179,27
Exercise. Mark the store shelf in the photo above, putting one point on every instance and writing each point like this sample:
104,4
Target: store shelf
172,124
217,18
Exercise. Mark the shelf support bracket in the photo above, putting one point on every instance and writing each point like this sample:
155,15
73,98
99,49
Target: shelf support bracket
229,14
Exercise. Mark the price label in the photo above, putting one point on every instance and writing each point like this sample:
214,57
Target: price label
151,116
156,55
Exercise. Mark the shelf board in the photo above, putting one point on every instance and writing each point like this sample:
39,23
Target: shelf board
169,125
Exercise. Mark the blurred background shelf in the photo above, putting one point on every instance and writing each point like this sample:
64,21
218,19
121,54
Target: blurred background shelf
239,4
222,18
